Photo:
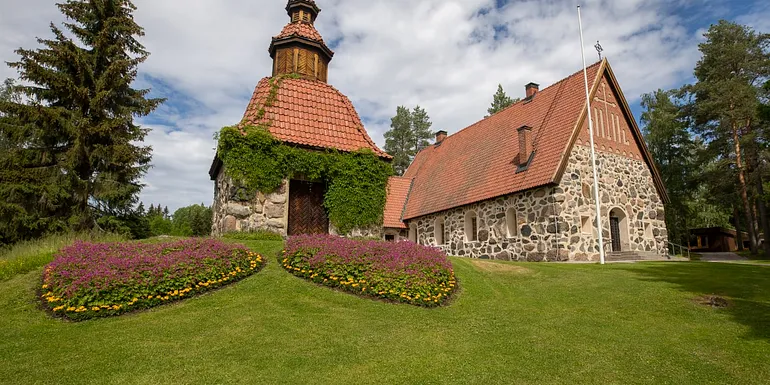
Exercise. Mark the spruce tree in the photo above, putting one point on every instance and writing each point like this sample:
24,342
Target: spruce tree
81,153
399,140
500,101
421,129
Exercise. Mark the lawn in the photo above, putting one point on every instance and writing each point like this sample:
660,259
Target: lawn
512,323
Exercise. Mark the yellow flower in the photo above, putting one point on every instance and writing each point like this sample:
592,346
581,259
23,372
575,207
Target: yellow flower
45,287
95,308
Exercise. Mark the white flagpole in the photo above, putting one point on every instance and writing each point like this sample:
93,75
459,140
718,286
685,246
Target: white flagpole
593,152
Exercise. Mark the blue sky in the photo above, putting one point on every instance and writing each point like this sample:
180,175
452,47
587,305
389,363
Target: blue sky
445,55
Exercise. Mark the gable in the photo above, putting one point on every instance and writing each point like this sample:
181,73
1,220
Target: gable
612,132
615,129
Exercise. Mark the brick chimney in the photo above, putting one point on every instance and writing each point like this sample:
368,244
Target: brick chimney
440,136
532,89
525,144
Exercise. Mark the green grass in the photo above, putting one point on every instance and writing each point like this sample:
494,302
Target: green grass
26,256
512,323
754,257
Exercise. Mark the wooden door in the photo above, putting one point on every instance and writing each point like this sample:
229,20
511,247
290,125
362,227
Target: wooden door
615,232
306,211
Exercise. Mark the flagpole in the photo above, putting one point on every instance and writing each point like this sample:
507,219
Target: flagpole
593,151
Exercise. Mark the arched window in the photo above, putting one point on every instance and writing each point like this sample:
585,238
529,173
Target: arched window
413,232
471,226
438,230
511,223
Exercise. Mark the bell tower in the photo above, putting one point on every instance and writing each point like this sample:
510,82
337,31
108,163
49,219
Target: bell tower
299,48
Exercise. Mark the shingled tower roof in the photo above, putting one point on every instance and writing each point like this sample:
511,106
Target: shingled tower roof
305,110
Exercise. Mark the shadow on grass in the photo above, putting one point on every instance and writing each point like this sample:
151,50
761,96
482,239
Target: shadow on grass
747,288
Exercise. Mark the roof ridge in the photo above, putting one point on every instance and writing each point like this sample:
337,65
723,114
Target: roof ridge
561,81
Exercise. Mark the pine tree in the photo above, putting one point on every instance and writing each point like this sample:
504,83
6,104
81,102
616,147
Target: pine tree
730,75
421,131
80,140
399,140
671,144
500,101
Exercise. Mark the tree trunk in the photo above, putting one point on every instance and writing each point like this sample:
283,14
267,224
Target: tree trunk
763,214
738,237
744,191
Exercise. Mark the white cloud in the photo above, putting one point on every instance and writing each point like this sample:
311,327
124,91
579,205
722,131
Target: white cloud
208,55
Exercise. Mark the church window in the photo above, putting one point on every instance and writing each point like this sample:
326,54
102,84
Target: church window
413,232
586,225
648,231
439,231
511,222
471,226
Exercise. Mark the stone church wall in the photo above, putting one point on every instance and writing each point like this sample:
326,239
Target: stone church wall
556,223
235,209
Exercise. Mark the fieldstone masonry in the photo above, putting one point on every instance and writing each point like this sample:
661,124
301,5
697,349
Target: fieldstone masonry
556,223
237,209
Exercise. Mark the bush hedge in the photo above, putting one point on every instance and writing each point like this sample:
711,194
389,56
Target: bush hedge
88,280
403,272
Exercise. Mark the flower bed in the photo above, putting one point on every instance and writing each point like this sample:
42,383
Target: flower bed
88,280
403,272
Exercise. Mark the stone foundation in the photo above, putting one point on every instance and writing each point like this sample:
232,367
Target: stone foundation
556,223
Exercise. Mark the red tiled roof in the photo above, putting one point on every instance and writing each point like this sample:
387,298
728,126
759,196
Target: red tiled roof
304,30
477,163
398,190
310,113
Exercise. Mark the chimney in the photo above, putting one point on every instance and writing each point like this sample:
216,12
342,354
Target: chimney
525,145
440,136
532,89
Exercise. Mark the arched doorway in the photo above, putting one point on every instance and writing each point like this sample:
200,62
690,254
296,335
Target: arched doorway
618,230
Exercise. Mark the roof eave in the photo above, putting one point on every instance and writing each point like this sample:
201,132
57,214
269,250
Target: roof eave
299,39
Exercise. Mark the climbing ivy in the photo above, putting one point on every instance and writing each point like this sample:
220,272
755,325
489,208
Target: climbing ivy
356,181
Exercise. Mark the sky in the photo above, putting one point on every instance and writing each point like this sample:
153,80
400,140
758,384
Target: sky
448,56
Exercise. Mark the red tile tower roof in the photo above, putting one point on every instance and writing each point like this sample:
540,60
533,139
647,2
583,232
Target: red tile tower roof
478,162
306,111
310,113
398,190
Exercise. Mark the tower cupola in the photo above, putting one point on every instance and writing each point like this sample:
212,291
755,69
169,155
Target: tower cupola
299,48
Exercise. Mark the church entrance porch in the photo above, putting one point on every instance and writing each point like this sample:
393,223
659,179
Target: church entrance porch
306,211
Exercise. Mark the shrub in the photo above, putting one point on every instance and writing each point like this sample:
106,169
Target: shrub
258,235
88,280
403,272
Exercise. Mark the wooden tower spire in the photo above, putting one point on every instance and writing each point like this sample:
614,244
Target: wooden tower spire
299,48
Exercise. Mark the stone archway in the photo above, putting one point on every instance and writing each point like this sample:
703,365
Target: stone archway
619,230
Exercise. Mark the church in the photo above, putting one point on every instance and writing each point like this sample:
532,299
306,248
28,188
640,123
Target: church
517,185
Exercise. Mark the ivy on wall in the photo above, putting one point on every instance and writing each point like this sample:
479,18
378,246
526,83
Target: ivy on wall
356,181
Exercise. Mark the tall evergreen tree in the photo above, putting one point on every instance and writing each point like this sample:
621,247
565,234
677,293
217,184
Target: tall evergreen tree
80,141
421,131
500,101
734,64
399,140
673,148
